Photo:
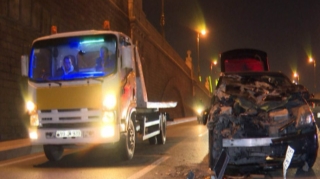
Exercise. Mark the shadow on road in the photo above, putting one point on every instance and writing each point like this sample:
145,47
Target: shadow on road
100,156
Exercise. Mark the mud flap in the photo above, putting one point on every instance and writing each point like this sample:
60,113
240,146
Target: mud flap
221,164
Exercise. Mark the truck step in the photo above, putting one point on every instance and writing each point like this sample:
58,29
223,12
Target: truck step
147,136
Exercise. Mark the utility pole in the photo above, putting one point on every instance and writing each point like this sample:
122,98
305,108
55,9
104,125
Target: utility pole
162,21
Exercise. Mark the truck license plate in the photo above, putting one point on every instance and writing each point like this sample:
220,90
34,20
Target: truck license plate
68,133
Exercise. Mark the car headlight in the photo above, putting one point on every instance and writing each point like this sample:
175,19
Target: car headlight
199,111
110,101
306,119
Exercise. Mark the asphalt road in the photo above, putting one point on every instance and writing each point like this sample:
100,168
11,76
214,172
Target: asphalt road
185,151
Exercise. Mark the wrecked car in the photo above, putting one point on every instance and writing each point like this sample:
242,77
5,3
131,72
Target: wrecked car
314,104
256,114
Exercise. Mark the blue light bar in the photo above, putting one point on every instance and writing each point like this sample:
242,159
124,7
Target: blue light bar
92,41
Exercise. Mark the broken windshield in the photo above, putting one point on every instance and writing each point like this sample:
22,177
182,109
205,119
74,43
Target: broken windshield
76,57
244,60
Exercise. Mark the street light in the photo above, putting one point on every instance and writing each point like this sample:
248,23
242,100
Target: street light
311,60
203,32
212,65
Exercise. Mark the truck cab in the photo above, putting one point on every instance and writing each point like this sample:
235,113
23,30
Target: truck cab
83,88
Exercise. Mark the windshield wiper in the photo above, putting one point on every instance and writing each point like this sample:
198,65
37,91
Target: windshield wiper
97,79
50,81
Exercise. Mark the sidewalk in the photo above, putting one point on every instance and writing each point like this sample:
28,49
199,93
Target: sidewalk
20,147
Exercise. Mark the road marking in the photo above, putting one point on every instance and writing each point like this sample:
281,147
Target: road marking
179,121
148,168
34,156
6,163
200,135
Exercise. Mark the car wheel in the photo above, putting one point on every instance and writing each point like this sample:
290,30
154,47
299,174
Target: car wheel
215,144
53,152
210,142
311,155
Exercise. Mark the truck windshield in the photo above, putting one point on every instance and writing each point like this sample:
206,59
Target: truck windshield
76,57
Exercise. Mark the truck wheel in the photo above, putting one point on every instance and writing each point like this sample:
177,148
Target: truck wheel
53,152
128,142
161,138
153,140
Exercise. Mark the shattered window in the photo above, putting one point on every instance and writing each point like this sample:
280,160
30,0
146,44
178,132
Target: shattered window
241,64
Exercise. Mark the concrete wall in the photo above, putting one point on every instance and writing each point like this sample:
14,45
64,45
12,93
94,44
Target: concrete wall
21,21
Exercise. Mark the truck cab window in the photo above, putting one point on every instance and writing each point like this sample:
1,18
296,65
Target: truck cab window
90,56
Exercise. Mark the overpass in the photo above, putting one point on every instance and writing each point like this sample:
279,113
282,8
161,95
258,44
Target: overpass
23,21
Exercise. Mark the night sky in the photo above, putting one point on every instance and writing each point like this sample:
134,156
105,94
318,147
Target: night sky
288,30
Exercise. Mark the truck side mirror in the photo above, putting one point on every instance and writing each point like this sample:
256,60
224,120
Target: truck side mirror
126,60
24,65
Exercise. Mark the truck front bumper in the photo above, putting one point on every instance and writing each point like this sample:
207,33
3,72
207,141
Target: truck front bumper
85,135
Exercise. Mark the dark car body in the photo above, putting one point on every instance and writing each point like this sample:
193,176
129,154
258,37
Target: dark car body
254,117
315,108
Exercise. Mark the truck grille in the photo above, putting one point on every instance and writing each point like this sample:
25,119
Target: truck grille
71,125
71,115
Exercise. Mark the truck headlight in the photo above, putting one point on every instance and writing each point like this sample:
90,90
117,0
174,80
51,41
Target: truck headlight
33,135
108,117
107,131
34,120
31,107
110,101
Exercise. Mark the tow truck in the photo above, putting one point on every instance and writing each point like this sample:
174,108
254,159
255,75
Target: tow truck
89,106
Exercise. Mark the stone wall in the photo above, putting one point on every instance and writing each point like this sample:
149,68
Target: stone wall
21,21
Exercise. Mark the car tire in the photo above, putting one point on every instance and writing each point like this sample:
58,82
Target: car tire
53,152
215,144
311,155
210,143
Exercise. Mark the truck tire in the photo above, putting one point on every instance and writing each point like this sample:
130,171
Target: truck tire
128,142
161,138
153,140
53,152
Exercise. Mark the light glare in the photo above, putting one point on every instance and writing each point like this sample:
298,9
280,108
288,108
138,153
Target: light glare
107,131
33,135
30,106
110,101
